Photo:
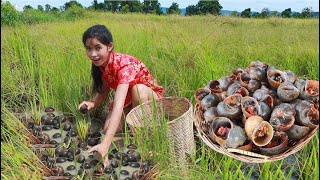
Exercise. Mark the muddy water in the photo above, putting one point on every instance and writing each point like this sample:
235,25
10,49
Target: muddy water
118,143
96,156
54,131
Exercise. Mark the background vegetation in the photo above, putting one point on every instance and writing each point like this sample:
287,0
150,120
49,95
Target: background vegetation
45,64
74,10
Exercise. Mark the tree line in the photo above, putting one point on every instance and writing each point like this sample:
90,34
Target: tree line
74,9
154,7
287,13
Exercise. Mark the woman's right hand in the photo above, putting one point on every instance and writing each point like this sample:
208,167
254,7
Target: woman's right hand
90,105
102,149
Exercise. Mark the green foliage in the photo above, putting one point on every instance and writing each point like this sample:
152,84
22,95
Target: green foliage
33,16
75,12
209,7
174,9
306,13
151,7
47,8
117,6
27,8
55,10
274,14
265,13
40,8
246,13
98,6
47,62
192,10
135,6
9,15
125,9
112,5
234,14
71,3
286,13
256,15
204,7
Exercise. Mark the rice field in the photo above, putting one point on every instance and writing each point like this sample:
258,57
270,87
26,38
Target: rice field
45,64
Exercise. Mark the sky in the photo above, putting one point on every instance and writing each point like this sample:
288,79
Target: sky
237,5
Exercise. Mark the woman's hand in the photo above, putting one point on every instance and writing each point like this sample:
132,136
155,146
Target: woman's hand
90,105
102,149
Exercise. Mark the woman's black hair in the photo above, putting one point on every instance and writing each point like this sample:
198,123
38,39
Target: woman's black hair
102,34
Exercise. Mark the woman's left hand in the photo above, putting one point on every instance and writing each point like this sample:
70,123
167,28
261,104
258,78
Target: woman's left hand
102,149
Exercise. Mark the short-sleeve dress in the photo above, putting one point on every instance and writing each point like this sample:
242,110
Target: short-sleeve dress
125,69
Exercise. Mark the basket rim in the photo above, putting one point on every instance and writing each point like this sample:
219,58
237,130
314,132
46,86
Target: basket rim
190,106
248,156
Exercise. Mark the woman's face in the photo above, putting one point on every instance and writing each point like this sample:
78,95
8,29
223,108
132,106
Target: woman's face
98,53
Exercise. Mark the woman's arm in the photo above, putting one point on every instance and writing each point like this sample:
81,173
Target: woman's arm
99,98
116,113
115,118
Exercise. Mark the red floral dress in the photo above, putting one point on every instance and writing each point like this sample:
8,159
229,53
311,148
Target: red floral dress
125,69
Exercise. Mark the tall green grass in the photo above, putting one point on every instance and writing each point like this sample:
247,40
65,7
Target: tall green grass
45,64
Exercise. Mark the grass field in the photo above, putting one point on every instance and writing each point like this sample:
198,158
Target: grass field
45,64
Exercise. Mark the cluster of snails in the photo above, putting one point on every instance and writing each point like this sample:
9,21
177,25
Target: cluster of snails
128,165
71,162
71,158
259,108
53,126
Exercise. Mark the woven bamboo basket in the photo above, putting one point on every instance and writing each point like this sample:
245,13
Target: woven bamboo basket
179,113
247,156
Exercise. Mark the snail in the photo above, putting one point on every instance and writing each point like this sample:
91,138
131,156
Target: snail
275,77
277,145
230,107
287,92
226,134
258,130
200,94
283,117
307,114
297,132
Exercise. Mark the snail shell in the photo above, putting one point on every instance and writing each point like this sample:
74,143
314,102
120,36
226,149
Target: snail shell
210,100
244,79
287,92
230,107
210,114
225,82
283,117
307,114
235,136
312,90
249,106
290,76
258,130
216,124
297,132
278,148
214,86
257,73
275,77
200,94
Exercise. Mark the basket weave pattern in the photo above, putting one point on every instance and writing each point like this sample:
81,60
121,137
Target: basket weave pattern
179,111
247,156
